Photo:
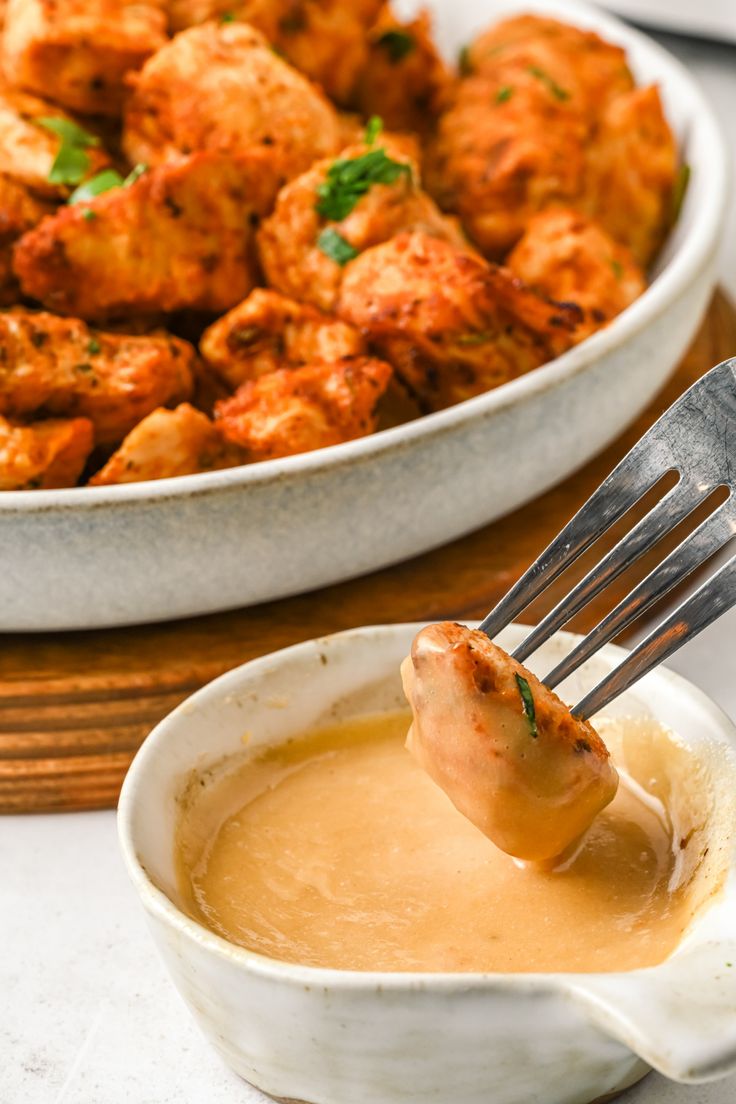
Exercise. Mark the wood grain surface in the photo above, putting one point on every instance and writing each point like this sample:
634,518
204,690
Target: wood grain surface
75,706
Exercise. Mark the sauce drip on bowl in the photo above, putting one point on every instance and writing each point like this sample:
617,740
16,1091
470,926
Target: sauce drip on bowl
338,850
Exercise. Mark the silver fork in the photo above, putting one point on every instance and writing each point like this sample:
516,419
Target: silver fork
696,438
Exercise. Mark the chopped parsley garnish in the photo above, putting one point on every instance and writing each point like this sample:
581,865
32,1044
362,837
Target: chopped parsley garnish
398,44
618,268
479,338
88,214
348,180
373,128
105,181
335,246
135,174
227,17
679,190
504,94
556,89
72,161
93,346
527,702
464,63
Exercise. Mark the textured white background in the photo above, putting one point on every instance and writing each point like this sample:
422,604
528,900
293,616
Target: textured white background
87,1014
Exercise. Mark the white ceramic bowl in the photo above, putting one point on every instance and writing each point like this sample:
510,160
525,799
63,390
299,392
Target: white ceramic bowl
142,552
328,1036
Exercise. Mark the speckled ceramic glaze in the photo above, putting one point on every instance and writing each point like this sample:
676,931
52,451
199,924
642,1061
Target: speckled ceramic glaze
331,1037
149,551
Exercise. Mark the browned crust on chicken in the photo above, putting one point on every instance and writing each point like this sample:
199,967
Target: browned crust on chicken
45,455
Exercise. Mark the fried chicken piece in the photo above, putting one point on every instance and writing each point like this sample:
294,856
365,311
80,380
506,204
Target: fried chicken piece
264,15
504,748
77,52
300,409
569,59
404,80
19,211
58,366
47,454
632,168
168,443
450,324
267,331
180,237
28,149
565,255
503,152
222,87
290,242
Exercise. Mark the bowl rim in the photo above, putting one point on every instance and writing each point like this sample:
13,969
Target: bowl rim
691,257
162,908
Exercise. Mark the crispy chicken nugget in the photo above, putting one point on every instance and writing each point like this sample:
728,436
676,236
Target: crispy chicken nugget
19,211
268,331
566,256
47,454
452,325
300,409
168,443
59,366
504,748
180,237
299,245
77,52
222,87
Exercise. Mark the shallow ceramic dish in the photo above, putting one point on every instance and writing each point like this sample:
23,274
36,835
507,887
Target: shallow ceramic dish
328,1036
142,552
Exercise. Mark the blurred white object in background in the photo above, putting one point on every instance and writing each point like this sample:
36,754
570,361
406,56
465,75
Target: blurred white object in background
710,18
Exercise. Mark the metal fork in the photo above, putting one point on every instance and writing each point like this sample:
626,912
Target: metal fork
696,438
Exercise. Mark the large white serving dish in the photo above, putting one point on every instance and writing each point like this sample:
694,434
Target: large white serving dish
329,1036
142,552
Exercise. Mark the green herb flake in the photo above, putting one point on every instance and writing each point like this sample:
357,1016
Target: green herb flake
527,701
88,214
557,90
398,44
679,190
348,180
227,17
373,128
504,94
464,64
103,182
72,161
93,346
335,246
479,338
135,174
729,964
618,269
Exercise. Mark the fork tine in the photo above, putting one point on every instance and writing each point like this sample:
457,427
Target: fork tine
623,488
708,603
708,538
661,520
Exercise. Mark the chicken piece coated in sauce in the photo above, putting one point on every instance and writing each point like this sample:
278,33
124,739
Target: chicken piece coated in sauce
307,244
60,367
504,748
222,87
297,410
268,331
181,236
78,52
564,254
19,212
168,443
47,454
452,325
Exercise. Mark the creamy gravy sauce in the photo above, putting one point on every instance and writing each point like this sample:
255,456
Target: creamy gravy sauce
337,850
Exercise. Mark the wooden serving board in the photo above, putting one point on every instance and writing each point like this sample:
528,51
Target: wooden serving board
75,706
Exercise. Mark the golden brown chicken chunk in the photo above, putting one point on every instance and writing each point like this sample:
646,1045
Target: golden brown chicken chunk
30,144
631,172
19,211
450,324
180,236
341,206
58,366
222,87
77,52
563,254
300,409
45,455
267,331
168,443
504,748
404,80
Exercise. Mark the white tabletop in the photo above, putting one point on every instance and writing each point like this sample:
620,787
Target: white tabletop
88,1013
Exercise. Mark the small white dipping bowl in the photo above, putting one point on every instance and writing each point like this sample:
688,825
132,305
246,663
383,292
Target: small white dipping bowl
342,1037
